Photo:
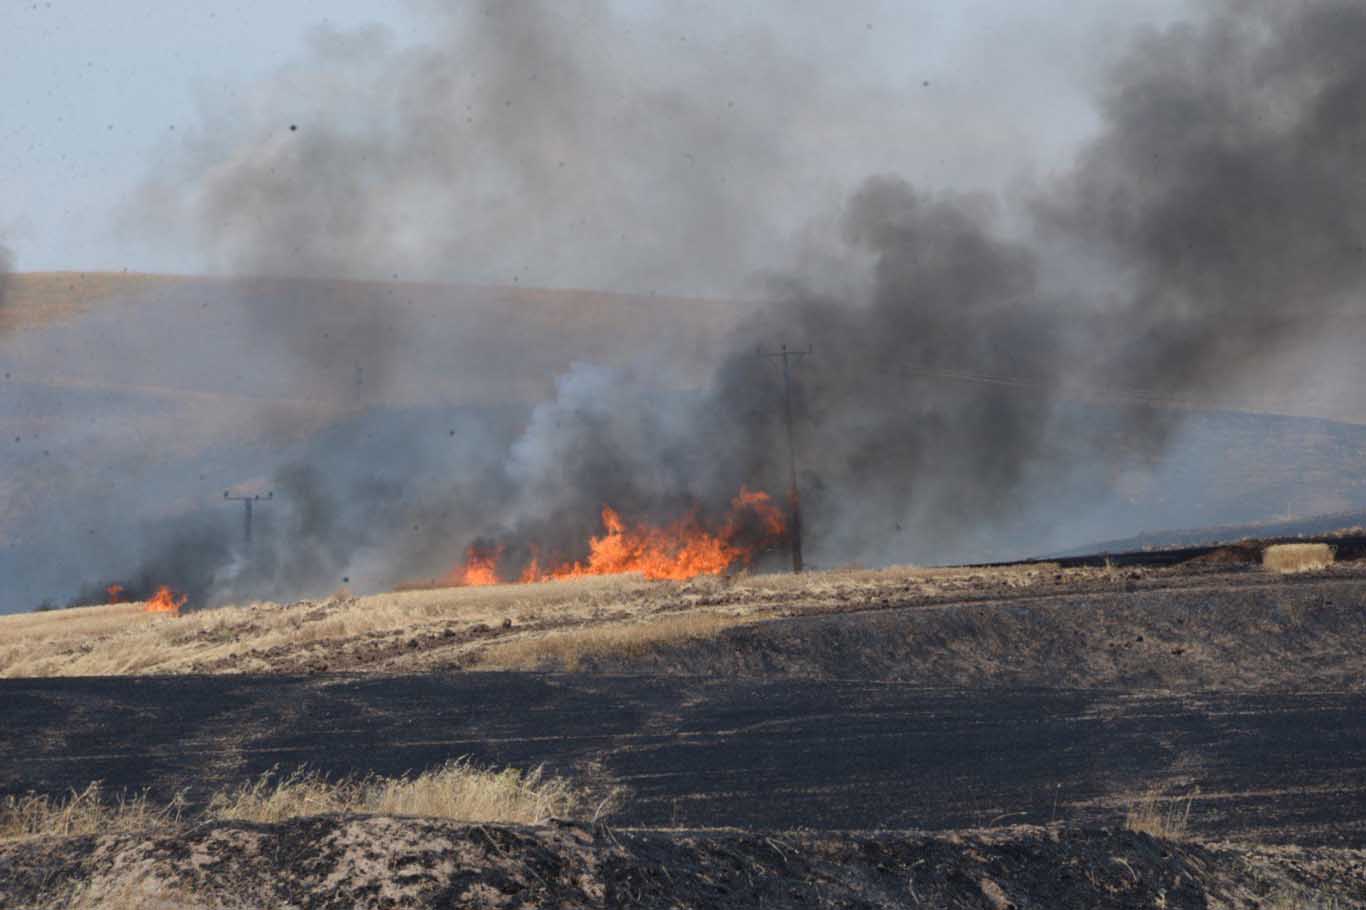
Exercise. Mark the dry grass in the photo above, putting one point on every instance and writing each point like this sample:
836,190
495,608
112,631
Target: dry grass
1166,818
1297,557
518,621
456,790
121,639
88,811
569,650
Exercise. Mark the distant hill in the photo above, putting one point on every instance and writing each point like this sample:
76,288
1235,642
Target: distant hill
37,299
455,344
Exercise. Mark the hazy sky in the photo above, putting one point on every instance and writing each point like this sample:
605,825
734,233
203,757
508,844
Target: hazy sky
93,95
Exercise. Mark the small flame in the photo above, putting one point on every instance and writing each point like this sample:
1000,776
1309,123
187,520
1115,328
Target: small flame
480,568
532,572
115,593
166,601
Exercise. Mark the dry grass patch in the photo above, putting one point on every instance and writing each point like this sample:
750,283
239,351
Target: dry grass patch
1166,818
568,650
120,639
1297,557
88,811
457,790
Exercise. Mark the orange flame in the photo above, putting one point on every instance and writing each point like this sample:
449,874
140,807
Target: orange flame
115,593
480,568
679,551
166,601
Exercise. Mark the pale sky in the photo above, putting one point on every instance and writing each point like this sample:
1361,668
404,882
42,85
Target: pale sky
93,94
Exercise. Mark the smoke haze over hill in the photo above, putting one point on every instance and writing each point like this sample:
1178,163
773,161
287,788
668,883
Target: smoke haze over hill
984,362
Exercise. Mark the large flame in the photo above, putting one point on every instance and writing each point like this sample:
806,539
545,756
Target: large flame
681,550
166,601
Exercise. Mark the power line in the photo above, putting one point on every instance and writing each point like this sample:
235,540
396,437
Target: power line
247,503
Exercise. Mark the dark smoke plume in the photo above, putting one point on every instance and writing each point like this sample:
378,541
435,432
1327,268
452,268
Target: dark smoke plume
1223,200
980,369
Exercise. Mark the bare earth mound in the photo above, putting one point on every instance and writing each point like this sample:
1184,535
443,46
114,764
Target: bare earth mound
363,862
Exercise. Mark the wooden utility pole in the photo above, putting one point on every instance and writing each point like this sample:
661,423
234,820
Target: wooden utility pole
794,499
247,503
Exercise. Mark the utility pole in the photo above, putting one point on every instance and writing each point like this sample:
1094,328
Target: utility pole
247,503
793,496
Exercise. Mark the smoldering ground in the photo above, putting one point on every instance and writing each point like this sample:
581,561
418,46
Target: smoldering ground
984,363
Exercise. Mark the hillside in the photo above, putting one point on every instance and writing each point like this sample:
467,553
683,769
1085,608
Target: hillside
1206,625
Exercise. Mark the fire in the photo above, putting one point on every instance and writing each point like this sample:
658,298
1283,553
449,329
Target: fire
678,551
166,601
480,568
115,593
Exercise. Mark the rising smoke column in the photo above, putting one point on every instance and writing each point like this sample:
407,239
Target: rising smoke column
1216,216
1222,207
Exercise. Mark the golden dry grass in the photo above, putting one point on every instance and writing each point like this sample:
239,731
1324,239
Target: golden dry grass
457,790
87,811
121,639
1288,558
1166,818
568,650
501,625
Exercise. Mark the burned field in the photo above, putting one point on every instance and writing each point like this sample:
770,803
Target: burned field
756,754
386,862
965,702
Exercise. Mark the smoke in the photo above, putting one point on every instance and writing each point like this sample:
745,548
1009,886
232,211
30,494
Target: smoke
982,364
1222,208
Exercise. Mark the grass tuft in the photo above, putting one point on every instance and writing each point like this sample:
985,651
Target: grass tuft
1168,819
87,811
457,790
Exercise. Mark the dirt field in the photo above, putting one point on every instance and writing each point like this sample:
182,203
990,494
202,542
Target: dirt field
759,754
951,700
347,861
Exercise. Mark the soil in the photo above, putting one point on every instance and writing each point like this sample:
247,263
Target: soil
1055,697
380,862
759,754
